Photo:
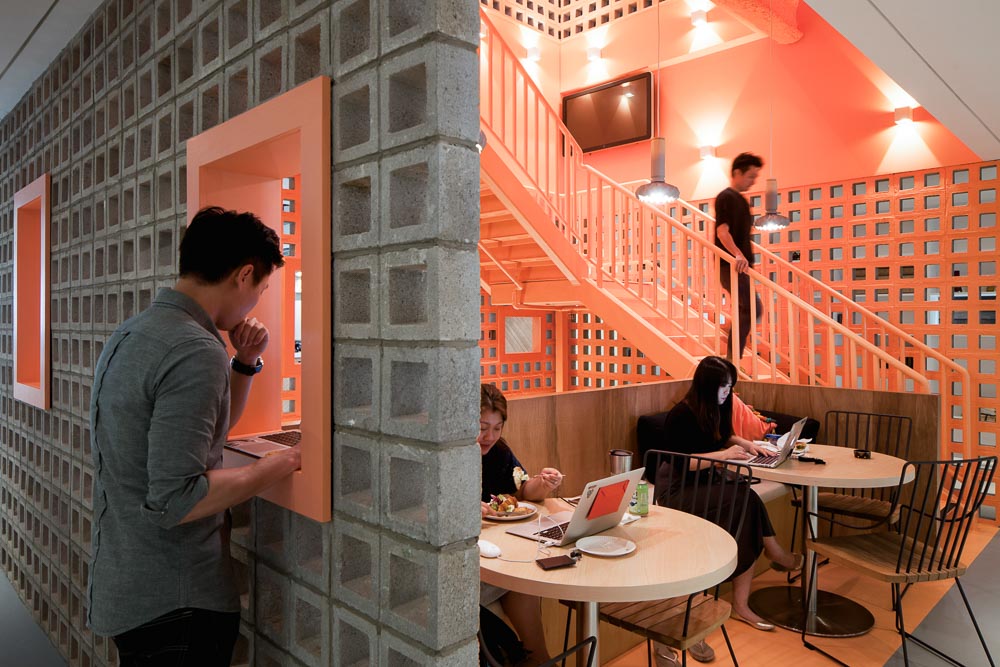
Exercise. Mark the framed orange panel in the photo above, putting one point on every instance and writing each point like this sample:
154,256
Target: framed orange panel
31,293
240,164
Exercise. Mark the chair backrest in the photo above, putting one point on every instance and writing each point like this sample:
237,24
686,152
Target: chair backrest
882,433
718,492
937,510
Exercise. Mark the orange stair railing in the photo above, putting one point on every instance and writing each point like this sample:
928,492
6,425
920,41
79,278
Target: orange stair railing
663,272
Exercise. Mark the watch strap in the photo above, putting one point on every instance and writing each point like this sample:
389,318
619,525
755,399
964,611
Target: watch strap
246,369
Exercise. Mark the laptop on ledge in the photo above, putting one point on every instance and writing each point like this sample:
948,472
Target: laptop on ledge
601,506
262,444
786,444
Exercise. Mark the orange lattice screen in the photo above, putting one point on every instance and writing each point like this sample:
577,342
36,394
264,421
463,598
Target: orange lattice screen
518,348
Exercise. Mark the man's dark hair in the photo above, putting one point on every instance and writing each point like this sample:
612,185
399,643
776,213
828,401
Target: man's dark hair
217,242
744,161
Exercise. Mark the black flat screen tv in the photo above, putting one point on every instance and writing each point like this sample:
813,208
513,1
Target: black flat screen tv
612,114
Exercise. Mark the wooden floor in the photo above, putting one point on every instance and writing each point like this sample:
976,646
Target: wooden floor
781,647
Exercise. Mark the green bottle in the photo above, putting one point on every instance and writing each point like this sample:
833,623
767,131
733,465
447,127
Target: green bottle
640,501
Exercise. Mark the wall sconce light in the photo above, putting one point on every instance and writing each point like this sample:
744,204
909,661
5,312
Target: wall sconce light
699,17
534,54
706,152
903,115
593,53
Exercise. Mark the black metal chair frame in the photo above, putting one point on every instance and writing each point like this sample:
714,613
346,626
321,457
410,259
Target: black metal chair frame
698,494
936,512
882,433
590,644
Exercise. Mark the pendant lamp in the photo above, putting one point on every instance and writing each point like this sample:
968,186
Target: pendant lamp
771,221
657,192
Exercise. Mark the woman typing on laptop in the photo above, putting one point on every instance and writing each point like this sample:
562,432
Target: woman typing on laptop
504,475
702,424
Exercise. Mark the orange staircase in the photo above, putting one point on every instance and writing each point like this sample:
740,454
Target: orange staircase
556,232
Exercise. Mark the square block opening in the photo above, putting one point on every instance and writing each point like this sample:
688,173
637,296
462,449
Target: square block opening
352,645
404,14
308,54
408,295
31,294
356,381
355,559
356,475
355,30
408,98
354,118
408,489
408,384
354,207
354,297
308,630
408,585
243,164
408,196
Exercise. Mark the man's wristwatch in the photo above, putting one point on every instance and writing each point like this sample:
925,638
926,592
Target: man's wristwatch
246,369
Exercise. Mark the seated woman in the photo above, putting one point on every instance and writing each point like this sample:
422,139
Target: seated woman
504,474
702,424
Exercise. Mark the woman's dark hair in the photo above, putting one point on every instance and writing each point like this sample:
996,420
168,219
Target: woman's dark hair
492,399
703,397
217,242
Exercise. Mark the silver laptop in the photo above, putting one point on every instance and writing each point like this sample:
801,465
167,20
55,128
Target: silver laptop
786,444
260,445
600,507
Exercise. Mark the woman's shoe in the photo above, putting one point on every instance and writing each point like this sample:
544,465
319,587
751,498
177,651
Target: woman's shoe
800,560
756,625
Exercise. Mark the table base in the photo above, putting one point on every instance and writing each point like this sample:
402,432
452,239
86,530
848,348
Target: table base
836,616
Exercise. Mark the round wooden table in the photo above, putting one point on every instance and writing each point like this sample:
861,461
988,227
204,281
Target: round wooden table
829,614
676,554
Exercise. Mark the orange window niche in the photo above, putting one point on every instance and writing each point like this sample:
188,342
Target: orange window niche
31,293
274,160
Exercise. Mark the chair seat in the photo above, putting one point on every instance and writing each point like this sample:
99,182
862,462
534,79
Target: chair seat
876,555
857,507
663,620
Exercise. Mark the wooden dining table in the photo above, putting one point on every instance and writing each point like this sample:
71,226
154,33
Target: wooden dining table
829,614
676,554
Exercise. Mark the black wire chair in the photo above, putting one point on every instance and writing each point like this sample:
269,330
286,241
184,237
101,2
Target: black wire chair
718,492
936,512
589,644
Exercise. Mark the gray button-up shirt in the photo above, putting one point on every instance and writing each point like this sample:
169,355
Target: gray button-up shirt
159,415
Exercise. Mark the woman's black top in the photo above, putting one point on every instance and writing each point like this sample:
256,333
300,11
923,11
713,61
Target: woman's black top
498,470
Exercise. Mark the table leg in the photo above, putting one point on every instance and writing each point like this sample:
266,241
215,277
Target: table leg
829,614
587,627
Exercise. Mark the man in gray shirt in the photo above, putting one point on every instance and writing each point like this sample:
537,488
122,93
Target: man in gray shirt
165,393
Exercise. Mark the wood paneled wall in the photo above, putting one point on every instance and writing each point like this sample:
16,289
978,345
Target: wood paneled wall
574,431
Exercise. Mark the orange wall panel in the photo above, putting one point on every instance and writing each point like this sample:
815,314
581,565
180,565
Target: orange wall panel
31,294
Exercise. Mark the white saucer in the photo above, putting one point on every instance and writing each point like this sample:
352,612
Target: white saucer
600,545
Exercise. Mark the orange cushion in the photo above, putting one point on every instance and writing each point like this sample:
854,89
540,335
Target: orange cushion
747,423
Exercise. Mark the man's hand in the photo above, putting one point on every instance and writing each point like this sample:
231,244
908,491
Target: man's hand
292,454
249,338
742,265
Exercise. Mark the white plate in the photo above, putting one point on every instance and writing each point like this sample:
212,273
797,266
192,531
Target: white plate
599,545
515,517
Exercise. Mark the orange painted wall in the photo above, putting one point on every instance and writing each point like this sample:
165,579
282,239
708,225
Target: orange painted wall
832,117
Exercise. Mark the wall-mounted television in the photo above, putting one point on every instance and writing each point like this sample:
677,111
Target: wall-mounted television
611,114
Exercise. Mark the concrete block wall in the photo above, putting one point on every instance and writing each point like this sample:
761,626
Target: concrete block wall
392,580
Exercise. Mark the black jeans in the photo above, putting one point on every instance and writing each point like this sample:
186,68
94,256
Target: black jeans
743,296
182,638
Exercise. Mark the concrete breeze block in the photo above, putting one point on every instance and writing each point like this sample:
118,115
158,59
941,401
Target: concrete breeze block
356,286
355,640
357,385
428,595
409,21
356,207
428,492
356,552
355,35
355,108
425,294
357,480
422,196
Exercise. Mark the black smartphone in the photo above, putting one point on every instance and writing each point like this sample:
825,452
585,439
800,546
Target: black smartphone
553,562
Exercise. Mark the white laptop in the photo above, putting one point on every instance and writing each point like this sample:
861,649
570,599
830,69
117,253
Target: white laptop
600,507
786,444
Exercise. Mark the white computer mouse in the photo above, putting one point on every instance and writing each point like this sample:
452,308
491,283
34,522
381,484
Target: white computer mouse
488,550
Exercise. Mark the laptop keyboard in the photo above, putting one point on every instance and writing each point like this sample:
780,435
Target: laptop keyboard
764,459
555,532
289,438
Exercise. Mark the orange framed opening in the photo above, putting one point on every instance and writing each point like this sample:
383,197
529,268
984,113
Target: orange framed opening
274,160
32,366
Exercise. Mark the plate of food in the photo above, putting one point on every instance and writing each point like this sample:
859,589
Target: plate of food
508,508
603,545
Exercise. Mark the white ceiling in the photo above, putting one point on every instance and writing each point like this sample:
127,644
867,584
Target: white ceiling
942,54
32,33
